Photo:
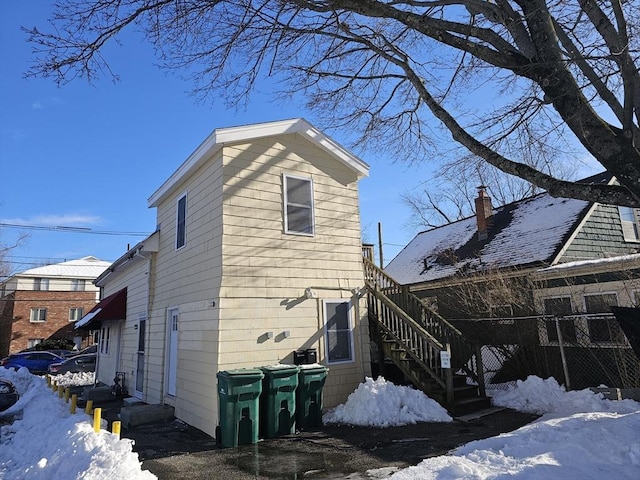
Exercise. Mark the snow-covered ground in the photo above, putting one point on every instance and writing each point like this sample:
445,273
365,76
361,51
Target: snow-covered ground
580,435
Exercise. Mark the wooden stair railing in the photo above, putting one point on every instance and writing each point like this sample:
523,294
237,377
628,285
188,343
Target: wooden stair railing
420,332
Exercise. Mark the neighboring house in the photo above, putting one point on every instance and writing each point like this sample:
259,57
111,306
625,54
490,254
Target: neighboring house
257,254
537,260
45,302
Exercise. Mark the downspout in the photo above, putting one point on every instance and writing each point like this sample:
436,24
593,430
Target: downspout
147,316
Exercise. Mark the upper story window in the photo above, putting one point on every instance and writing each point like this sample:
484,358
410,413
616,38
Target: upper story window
298,205
75,314
38,315
77,285
630,220
41,284
181,222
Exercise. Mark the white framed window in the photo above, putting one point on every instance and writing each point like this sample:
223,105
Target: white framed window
630,220
38,315
41,284
32,342
105,334
181,222
75,314
602,328
298,205
338,331
78,285
559,307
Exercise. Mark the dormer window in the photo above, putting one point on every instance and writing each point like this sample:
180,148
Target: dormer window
630,220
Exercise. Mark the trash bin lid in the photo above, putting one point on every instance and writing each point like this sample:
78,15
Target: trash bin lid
241,372
312,368
280,369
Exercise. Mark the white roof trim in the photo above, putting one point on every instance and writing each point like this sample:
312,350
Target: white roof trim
225,136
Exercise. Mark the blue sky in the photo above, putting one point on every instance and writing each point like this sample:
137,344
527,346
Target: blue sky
90,156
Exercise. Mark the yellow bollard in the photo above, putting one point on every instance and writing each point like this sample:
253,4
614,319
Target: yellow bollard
67,394
48,380
97,413
115,428
74,403
60,391
54,386
88,408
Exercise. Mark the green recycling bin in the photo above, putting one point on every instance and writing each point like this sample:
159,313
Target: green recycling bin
278,400
238,393
309,395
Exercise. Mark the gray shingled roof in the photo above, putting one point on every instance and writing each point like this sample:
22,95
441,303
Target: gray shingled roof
527,232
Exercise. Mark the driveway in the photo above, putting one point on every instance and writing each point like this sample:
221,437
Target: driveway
176,451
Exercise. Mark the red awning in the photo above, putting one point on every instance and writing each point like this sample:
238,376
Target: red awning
113,307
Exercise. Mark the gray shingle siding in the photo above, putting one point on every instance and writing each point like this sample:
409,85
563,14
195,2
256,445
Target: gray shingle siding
600,236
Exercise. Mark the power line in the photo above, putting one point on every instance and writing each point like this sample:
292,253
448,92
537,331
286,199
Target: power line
65,229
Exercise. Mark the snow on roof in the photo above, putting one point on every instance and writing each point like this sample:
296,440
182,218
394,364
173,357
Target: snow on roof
521,233
87,267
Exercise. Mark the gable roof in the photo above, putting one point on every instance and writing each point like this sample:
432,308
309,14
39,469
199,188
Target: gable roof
226,136
87,267
528,232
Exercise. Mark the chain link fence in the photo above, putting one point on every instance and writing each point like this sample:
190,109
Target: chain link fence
579,351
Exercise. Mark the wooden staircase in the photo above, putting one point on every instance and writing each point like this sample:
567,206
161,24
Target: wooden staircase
414,337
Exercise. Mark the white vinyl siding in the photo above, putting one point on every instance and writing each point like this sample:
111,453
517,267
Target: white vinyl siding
298,205
181,222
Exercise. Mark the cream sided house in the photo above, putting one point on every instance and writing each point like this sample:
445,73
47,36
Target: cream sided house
257,254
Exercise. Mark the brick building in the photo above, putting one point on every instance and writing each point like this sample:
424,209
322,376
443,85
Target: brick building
45,302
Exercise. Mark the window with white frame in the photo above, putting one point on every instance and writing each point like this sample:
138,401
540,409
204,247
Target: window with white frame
602,328
559,307
38,315
75,314
630,220
32,342
298,205
78,285
41,284
181,222
338,332
105,334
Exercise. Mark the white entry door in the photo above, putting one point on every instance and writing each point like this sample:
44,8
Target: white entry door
172,351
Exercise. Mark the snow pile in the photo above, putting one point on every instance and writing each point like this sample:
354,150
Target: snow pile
74,379
45,441
380,403
580,436
536,395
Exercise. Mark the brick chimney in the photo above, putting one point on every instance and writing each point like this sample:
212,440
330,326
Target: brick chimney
484,212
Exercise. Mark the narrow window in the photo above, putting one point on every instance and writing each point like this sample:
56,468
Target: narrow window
298,205
630,220
77,285
38,315
75,314
339,337
104,340
41,284
559,307
181,222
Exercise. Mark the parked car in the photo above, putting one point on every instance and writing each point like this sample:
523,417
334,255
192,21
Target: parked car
90,349
8,395
36,362
57,351
77,364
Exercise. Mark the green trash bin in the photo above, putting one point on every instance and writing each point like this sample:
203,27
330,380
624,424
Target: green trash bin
238,393
278,400
309,395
